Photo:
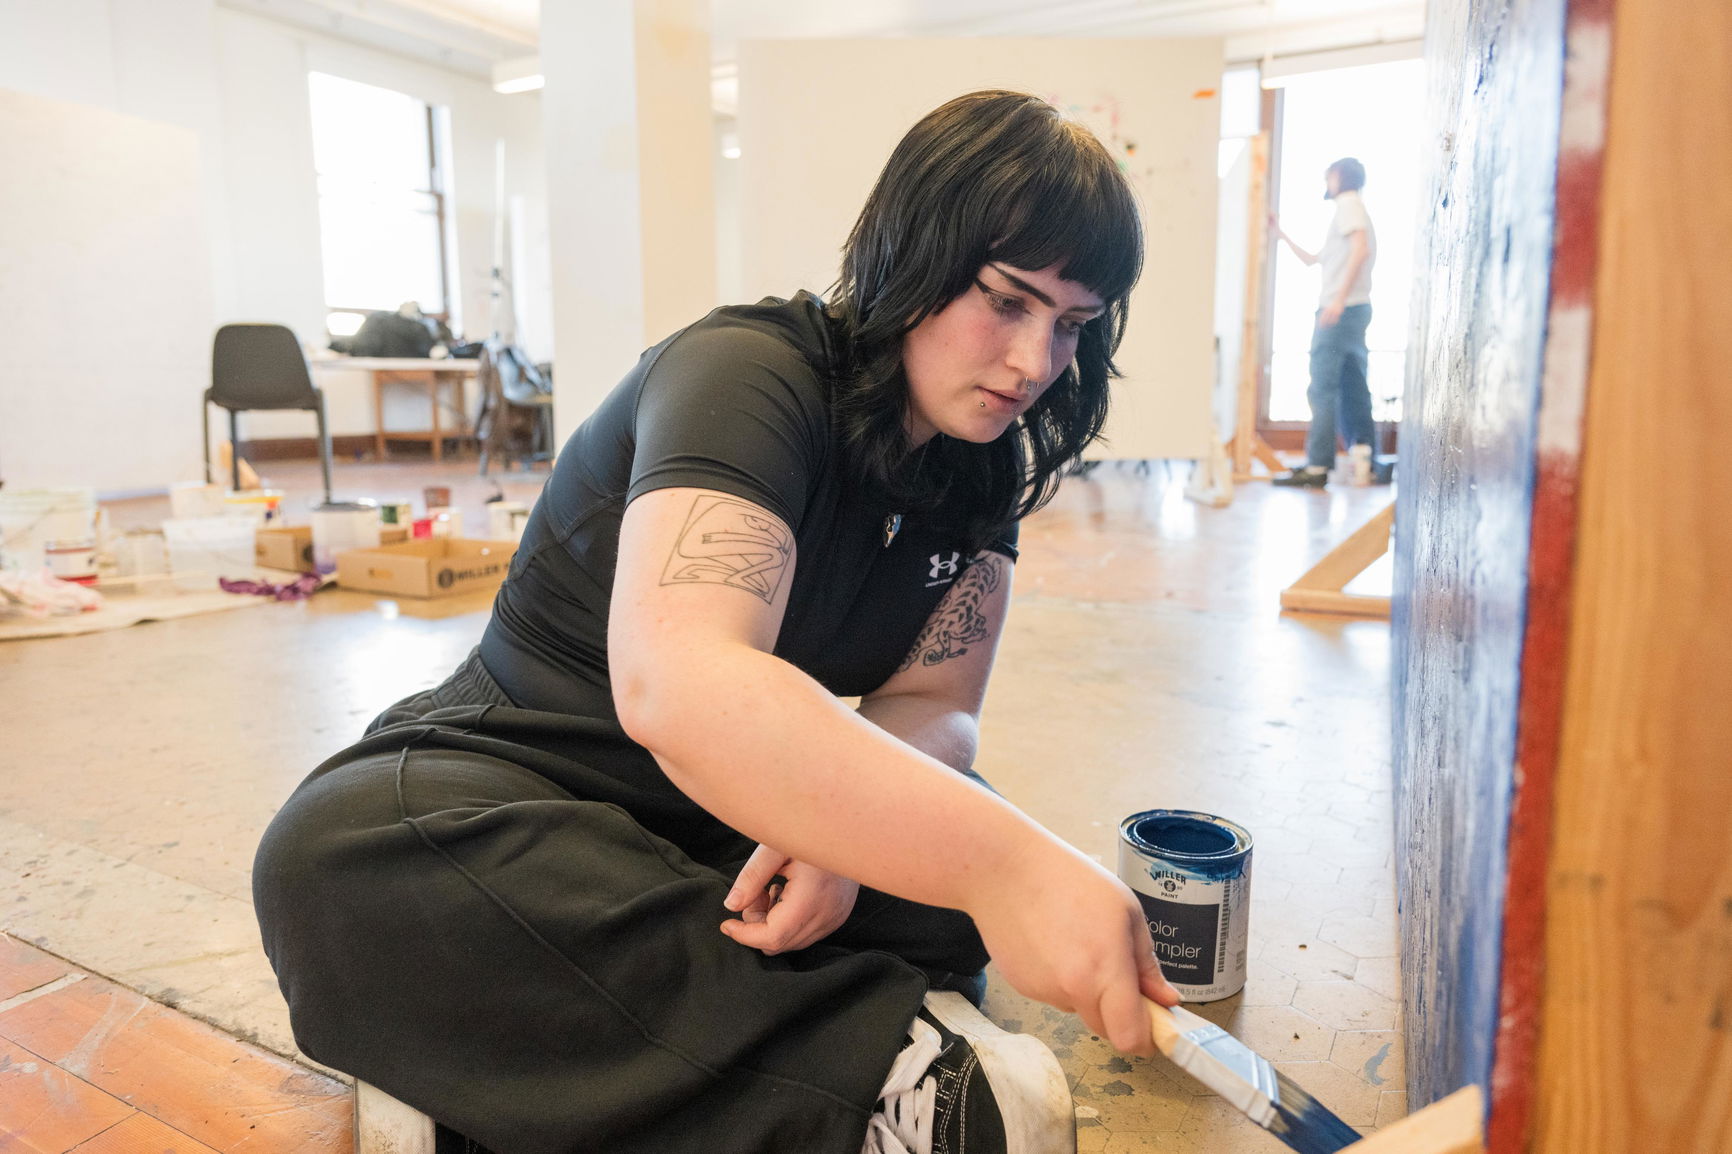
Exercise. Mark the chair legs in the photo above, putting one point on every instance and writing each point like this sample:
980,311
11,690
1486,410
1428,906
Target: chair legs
324,447
235,449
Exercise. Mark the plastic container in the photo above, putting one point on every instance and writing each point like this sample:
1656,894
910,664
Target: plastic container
339,526
201,549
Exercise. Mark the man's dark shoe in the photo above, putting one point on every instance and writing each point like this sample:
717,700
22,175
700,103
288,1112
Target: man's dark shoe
1306,478
961,1085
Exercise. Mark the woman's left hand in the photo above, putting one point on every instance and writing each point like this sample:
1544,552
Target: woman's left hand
807,907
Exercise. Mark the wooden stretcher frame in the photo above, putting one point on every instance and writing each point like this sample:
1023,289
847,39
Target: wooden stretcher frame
1322,587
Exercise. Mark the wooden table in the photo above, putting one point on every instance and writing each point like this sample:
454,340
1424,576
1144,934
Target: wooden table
423,372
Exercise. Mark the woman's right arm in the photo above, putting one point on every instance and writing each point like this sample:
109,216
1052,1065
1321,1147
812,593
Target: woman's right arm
699,593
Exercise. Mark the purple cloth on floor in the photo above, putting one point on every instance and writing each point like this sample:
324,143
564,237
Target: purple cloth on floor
299,589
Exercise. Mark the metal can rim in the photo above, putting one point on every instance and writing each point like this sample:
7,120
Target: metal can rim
1242,841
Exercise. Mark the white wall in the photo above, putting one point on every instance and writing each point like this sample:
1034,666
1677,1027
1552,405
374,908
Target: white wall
237,83
818,118
105,292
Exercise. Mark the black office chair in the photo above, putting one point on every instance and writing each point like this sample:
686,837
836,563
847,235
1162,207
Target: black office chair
261,367
516,417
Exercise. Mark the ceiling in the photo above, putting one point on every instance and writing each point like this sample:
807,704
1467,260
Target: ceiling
471,35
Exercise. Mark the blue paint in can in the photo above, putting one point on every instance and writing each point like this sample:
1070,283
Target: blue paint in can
1192,873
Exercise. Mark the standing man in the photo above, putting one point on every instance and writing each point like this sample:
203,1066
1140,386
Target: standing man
1340,394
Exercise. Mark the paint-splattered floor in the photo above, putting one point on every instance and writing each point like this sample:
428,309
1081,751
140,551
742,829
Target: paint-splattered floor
1145,665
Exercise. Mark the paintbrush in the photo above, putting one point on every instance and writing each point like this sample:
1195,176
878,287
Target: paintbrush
1248,1082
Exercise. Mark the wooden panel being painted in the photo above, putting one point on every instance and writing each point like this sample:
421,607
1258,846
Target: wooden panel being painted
1636,1032
1463,588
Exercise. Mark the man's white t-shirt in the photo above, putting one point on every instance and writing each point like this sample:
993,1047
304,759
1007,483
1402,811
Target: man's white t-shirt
1350,217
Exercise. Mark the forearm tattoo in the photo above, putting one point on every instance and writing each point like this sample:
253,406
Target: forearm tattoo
958,622
727,542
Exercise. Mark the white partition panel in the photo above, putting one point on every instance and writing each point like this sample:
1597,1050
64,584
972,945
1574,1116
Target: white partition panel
105,291
818,118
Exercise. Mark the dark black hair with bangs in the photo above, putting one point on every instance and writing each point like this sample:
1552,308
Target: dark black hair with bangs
993,176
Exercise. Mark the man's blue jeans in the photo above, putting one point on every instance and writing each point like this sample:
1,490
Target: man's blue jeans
1340,394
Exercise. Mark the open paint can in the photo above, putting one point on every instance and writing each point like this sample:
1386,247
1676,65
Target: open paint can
1192,873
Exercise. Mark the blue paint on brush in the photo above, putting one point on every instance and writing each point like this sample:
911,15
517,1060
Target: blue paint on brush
1305,1124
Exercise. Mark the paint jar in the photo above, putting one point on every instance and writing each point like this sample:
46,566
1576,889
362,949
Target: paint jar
435,497
71,559
339,526
1192,873
506,519
396,513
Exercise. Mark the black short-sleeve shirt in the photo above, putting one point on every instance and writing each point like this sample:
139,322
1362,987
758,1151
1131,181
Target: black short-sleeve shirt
738,403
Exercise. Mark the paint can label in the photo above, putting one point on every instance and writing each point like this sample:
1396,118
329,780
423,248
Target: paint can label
1191,873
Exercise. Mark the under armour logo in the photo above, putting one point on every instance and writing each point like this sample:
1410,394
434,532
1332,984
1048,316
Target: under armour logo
947,568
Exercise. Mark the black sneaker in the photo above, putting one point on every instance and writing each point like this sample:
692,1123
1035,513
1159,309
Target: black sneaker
1306,478
961,1085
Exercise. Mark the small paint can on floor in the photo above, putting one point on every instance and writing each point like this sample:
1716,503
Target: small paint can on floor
1192,873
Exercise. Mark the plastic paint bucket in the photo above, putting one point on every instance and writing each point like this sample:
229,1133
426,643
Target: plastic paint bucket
1192,873
339,526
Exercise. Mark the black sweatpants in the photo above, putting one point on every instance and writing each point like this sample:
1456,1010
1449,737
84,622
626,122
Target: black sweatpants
508,919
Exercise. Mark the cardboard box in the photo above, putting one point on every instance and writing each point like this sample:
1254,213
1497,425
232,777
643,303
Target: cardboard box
429,567
290,548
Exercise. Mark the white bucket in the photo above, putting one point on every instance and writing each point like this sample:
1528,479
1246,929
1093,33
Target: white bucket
30,518
340,526
201,549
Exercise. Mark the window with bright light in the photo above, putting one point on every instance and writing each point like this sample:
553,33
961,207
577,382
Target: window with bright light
381,200
1374,113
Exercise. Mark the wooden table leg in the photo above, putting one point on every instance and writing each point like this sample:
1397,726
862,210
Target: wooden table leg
462,410
378,415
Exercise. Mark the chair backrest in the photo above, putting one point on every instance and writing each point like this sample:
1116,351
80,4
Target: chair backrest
260,367
516,376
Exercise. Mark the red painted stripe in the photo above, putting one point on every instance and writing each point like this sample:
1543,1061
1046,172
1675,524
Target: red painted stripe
1551,574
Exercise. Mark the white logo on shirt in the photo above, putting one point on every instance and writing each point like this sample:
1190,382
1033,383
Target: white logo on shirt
946,567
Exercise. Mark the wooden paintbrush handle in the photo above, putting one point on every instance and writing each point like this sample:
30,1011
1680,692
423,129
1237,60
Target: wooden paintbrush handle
1165,1026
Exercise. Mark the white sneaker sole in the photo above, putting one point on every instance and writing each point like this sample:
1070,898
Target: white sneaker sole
1029,1085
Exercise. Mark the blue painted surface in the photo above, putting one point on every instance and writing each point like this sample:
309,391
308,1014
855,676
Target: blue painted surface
1464,514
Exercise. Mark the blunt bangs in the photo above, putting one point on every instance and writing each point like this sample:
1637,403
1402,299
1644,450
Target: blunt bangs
1081,217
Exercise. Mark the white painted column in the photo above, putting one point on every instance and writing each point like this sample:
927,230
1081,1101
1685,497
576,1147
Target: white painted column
631,217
